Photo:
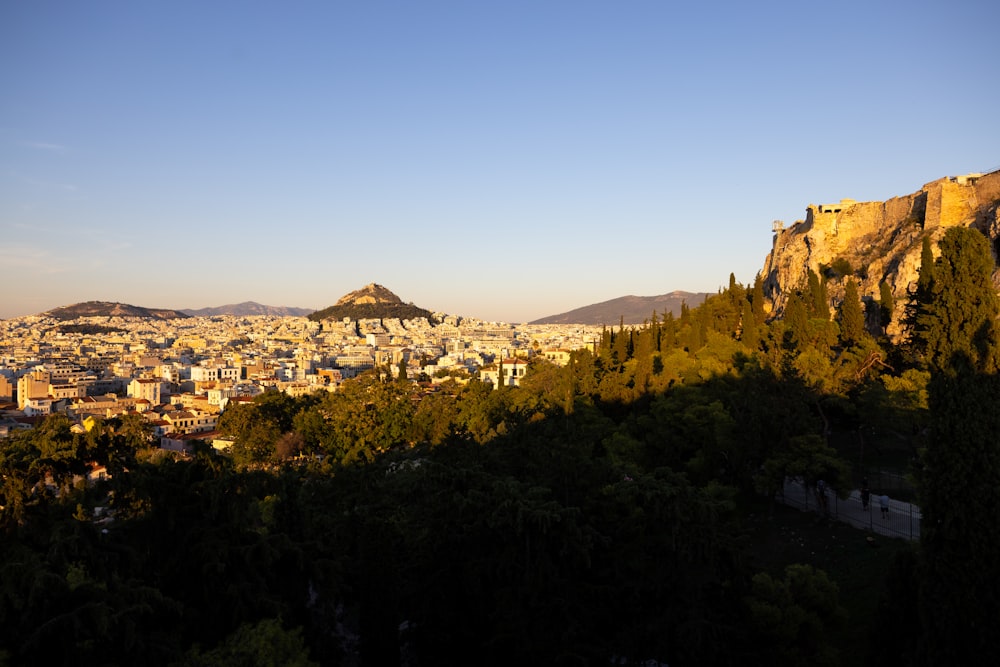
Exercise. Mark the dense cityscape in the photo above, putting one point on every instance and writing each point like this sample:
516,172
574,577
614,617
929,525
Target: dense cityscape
181,373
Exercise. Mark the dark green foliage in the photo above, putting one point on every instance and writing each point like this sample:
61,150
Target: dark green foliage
896,636
796,321
818,303
952,319
262,644
886,304
851,316
926,275
757,299
960,533
840,268
954,314
595,512
372,311
750,332
793,616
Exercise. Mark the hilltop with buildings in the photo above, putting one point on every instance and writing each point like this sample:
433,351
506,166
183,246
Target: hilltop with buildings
878,242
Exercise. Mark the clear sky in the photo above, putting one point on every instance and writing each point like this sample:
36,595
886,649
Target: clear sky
504,160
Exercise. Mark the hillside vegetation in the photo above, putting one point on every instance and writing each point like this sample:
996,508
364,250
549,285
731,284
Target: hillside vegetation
371,302
615,510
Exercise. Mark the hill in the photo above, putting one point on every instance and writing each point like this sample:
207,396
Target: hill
371,302
878,242
248,309
634,309
111,309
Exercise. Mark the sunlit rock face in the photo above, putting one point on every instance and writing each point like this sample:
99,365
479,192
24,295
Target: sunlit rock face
878,241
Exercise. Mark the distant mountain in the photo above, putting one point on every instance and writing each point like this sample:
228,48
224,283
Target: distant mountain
248,309
111,309
634,309
371,302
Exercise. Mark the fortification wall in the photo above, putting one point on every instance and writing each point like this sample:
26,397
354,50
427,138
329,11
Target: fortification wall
987,187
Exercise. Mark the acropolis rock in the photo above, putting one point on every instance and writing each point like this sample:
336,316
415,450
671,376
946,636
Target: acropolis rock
881,241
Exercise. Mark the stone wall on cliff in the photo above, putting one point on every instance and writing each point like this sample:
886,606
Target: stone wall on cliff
881,241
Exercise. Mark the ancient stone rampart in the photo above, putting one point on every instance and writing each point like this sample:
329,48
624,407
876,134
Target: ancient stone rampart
880,241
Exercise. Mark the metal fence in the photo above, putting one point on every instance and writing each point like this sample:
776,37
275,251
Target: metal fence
900,519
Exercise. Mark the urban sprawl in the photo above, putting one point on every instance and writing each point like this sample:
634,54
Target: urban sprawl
180,374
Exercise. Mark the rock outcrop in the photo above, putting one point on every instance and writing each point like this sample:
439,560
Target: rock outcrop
371,302
878,241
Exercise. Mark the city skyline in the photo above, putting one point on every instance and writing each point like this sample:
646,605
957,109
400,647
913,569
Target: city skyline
505,162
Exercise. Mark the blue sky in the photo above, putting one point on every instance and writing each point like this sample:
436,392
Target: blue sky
501,160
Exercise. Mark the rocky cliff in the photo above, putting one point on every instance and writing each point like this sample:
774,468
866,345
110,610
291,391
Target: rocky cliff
878,241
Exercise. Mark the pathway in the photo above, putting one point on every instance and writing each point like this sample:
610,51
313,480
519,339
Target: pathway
903,519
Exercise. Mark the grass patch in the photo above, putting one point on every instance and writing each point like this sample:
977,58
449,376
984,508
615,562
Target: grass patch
782,535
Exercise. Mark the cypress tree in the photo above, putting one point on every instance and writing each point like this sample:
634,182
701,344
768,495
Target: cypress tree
668,334
851,315
926,264
955,316
886,305
819,302
960,468
919,299
796,321
750,333
757,299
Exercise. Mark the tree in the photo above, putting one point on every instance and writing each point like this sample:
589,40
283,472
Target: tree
954,327
959,482
791,616
886,305
819,302
955,311
919,299
851,316
757,300
255,434
262,644
796,321
750,331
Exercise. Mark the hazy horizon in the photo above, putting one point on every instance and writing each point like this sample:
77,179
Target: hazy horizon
505,161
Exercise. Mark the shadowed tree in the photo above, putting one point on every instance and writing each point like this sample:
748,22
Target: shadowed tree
960,468
886,305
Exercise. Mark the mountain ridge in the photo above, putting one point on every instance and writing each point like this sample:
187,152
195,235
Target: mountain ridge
111,309
629,309
248,309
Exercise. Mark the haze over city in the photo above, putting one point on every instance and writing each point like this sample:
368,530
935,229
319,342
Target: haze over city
504,161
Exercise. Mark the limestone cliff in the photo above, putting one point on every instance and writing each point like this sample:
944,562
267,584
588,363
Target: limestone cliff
371,302
880,241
